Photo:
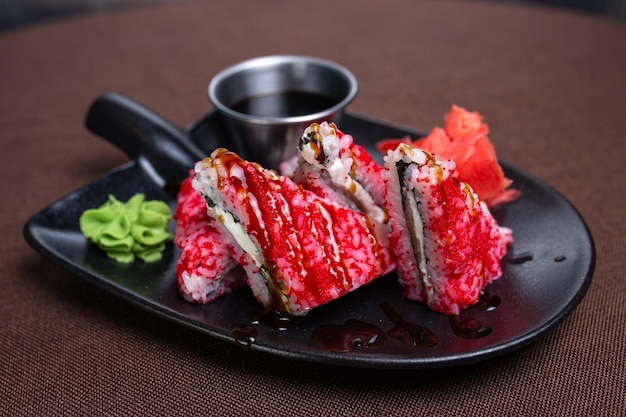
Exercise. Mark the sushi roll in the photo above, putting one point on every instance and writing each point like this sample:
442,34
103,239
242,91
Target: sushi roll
205,267
448,246
332,166
299,250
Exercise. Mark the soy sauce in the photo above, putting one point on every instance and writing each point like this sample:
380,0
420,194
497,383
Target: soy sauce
285,104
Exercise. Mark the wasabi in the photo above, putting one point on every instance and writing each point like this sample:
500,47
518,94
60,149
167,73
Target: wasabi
125,231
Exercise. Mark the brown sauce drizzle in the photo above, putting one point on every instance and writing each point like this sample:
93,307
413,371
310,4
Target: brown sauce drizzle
351,335
271,317
245,335
276,320
410,334
356,334
487,302
469,328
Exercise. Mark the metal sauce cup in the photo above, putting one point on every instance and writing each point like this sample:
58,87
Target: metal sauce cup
267,102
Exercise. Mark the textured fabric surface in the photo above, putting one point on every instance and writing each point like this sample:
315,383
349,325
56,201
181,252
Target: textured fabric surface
550,84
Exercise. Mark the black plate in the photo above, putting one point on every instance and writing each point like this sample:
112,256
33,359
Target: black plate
546,273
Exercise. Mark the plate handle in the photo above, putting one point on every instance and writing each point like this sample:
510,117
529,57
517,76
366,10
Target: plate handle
156,144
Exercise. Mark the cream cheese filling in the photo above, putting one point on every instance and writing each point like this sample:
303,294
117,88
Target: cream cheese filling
238,233
339,173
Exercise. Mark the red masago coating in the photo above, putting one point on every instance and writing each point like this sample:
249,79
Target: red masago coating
306,250
204,268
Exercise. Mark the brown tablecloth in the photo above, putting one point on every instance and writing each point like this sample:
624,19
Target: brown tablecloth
551,85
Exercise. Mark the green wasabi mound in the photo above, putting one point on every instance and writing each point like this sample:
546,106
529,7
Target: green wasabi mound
137,228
